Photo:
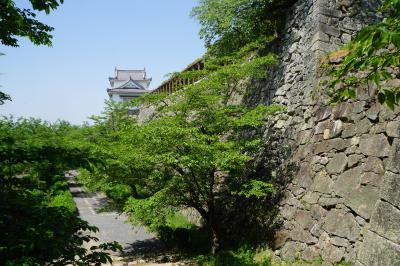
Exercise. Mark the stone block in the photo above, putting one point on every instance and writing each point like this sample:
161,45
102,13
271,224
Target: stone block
322,183
321,48
330,12
349,130
292,250
393,129
337,164
377,251
344,3
330,201
373,113
323,113
386,221
310,253
336,129
310,198
362,200
328,145
317,212
329,30
348,181
374,164
304,176
287,212
378,128
360,221
363,126
304,219
392,163
338,144
331,253
280,238
303,236
343,111
341,224
370,178
340,242
302,152
345,38
320,36
297,191
354,160
304,136
321,147
316,230
375,145
327,133
355,141
320,160
321,126
390,190
281,91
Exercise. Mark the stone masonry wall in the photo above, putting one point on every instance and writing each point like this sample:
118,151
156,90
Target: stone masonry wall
344,201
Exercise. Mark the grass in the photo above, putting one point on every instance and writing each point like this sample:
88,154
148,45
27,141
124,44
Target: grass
177,220
243,256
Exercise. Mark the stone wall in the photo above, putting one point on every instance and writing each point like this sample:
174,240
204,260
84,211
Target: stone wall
344,201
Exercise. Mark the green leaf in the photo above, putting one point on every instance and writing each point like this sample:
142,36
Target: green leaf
381,97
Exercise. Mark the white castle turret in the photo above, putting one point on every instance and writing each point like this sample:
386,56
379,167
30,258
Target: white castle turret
128,84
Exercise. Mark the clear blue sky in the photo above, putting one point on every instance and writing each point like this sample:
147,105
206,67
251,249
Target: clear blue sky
68,81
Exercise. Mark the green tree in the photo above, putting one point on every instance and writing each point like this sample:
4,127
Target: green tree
195,151
20,22
228,25
39,223
373,59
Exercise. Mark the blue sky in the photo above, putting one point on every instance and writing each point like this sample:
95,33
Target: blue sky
68,81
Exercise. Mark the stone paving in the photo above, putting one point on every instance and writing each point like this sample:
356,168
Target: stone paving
113,226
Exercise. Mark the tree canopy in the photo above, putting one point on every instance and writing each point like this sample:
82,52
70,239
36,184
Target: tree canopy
22,22
38,218
195,152
227,25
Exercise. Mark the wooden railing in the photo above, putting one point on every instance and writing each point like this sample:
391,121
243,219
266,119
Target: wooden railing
173,83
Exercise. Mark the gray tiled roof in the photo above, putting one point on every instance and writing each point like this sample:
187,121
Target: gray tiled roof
130,79
130,74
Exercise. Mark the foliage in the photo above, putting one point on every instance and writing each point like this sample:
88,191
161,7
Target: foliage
193,152
38,218
255,188
372,59
21,22
227,25
244,256
4,97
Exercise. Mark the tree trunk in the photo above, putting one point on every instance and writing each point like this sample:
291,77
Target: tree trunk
215,233
213,226
215,241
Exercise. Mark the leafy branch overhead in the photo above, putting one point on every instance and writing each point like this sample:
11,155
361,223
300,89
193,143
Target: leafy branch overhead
372,59
22,22
227,25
